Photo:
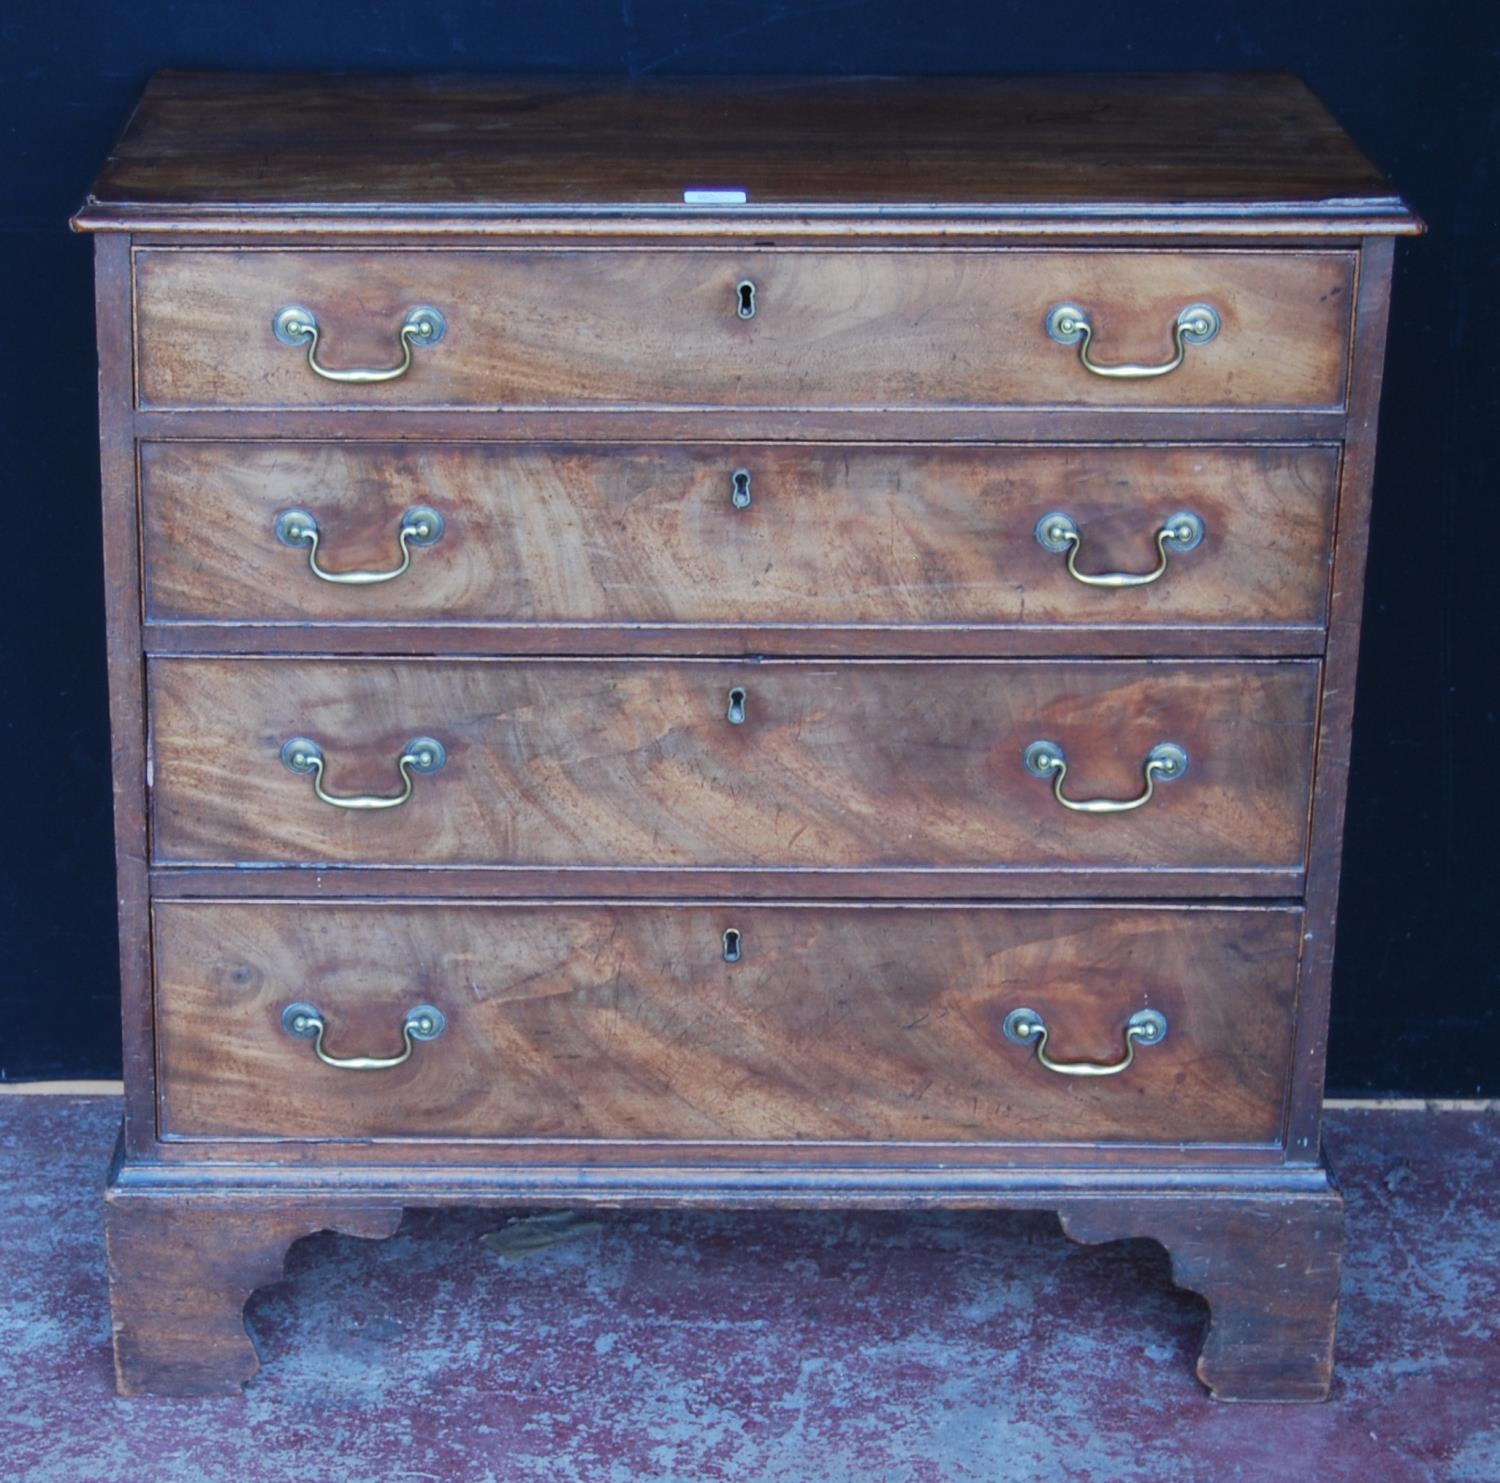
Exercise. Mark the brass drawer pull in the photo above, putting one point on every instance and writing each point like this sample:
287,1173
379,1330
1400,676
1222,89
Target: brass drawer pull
1166,761
1057,532
422,755
307,1023
1195,325
297,326
1027,1027
419,527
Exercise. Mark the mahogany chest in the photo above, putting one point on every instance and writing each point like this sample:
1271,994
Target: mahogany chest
732,643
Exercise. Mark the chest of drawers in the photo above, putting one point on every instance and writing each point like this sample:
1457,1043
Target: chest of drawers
732,644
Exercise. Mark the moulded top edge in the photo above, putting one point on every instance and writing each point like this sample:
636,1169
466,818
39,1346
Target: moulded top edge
1377,217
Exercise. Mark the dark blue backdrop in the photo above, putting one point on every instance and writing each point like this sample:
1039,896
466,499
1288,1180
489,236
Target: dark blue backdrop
1417,86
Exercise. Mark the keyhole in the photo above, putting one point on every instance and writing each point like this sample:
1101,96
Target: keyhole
731,945
745,297
739,492
737,706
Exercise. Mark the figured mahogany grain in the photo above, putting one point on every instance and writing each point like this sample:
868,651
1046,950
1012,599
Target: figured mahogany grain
901,536
857,329
624,1022
625,764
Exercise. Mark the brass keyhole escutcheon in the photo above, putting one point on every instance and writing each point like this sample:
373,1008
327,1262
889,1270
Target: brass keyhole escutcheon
736,712
733,948
744,298
739,488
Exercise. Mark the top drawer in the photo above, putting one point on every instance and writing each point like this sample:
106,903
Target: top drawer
855,329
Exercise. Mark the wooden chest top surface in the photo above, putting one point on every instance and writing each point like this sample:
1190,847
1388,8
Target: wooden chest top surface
303,148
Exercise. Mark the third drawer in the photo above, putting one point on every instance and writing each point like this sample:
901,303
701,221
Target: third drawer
631,765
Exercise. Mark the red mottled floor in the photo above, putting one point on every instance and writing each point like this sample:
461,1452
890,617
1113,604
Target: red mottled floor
759,1348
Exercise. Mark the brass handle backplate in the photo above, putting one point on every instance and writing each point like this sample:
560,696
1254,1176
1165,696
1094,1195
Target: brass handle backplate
307,1023
1195,325
419,527
297,326
1044,759
422,755
1027,1027
1058,532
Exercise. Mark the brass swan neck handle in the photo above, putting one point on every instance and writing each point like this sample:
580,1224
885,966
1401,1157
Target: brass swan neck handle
1197,324
307,1023
1027,1027
1165,762
297,326
422,755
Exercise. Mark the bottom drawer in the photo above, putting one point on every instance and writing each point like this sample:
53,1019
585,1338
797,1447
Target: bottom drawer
722,1022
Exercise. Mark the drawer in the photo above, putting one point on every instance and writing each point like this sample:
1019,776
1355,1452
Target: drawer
695,764
665,328
627,1022
899,536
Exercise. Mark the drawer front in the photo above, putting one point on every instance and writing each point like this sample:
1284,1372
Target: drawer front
898,536
646,763
830,329
626,1022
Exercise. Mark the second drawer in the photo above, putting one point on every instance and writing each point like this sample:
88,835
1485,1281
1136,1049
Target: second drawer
742,535
627,765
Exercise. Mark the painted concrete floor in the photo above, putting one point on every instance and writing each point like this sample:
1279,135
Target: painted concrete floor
759,1348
